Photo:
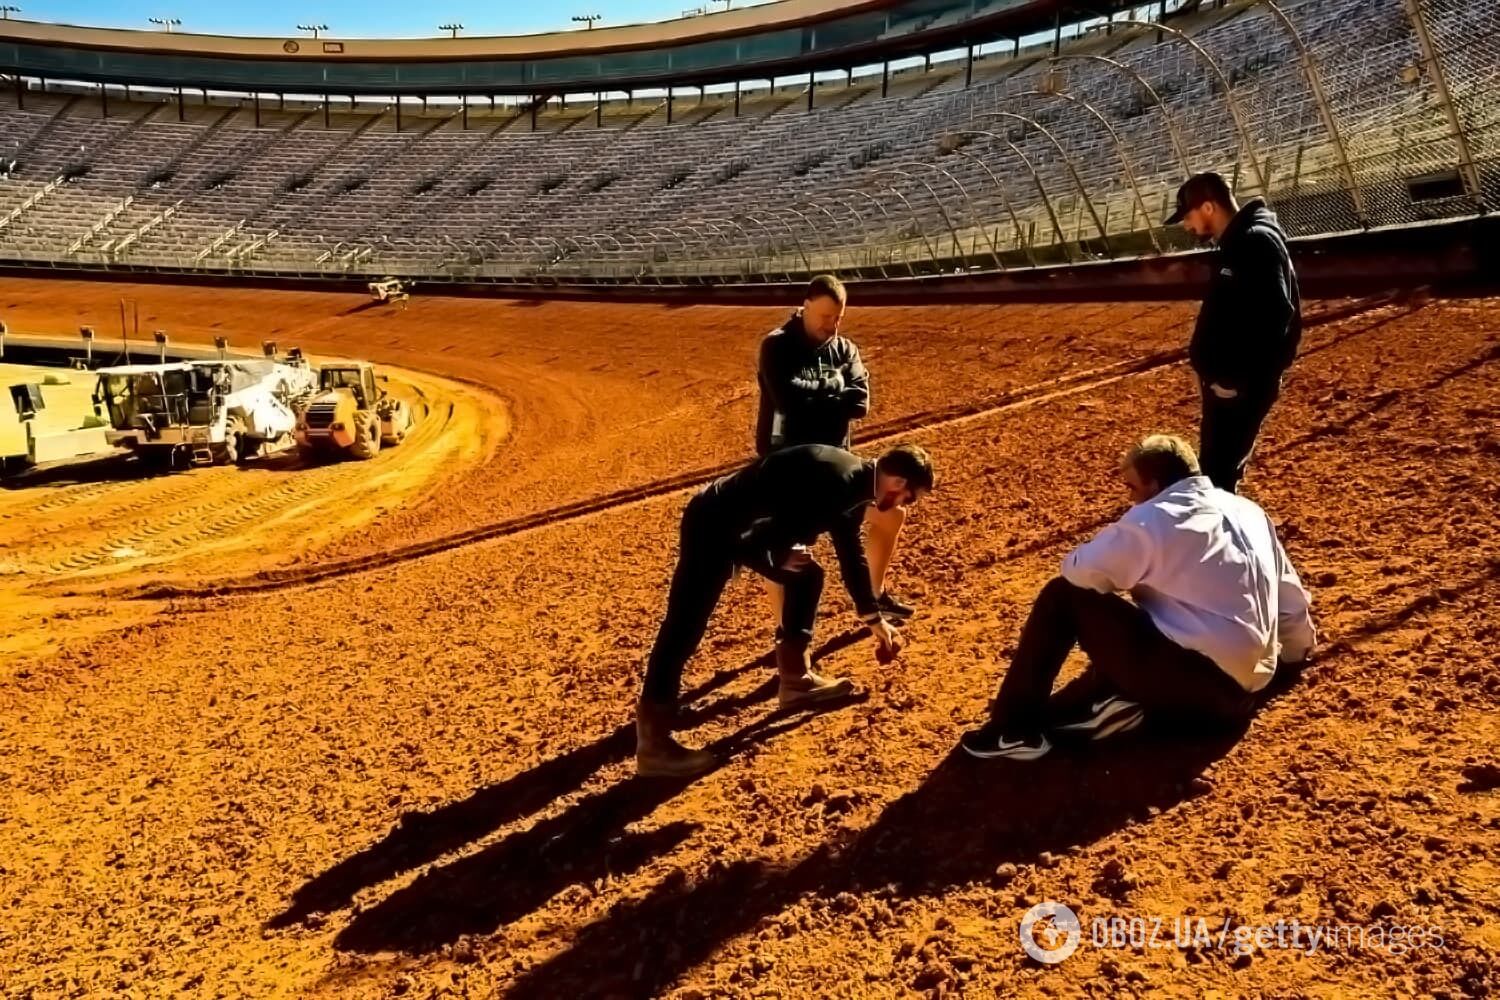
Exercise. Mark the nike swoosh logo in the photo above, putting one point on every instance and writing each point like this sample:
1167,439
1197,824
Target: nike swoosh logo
1003,745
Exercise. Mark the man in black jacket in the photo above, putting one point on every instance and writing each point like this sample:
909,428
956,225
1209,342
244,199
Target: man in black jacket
1249,326
763,518
813,385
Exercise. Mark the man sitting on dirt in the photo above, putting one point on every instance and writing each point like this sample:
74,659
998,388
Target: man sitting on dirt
1216,604
763,518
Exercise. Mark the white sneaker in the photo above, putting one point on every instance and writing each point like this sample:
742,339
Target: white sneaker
1105,717
988,742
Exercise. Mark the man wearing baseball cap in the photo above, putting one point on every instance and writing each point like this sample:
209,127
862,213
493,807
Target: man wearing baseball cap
1249,326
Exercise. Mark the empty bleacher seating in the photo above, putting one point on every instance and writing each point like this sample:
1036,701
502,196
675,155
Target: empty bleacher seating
860,180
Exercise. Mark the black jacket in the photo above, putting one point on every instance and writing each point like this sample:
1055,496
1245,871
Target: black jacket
790,497
814,391
1251,321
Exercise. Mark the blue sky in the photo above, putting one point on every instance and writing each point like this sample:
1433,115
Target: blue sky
352,18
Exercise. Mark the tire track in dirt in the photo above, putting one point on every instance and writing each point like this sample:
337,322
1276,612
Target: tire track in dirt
932,419
67,497
222,513
125,495
225,506
926,420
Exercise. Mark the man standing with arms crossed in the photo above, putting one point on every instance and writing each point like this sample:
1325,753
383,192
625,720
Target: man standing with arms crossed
1249,326
813,385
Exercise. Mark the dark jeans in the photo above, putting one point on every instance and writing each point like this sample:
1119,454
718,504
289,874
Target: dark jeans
1228,434
705,562
1128,656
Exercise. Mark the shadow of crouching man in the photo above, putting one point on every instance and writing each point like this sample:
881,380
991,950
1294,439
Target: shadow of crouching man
422,837
965,819
484,891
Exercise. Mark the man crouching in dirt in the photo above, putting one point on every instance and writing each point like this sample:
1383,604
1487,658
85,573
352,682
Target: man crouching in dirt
1216,604
763,518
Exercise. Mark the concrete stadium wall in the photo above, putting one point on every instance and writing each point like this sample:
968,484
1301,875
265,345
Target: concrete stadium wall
1445,255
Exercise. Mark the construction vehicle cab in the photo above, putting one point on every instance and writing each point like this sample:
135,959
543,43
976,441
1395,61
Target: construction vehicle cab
147,407
351,413
357,378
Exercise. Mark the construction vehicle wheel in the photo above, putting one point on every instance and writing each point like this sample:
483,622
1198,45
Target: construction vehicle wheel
367,442
400,423
227,453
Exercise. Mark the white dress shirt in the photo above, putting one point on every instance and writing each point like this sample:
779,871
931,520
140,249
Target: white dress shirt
1207,566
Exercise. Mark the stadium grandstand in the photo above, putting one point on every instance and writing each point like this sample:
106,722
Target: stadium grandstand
874,139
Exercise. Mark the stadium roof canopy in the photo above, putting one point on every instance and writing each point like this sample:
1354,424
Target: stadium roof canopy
771,40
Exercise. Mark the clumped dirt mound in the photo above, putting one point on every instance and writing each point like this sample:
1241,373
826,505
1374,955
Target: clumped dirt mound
416,780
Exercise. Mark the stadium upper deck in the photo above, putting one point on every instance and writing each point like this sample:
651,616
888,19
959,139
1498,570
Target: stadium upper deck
1049,155
774,39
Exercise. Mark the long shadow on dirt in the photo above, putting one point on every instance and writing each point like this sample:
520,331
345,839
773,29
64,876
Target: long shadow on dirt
117,468
965,819
419,838
362,307
508,880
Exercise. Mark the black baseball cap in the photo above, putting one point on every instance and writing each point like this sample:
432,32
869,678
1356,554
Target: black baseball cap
1196,190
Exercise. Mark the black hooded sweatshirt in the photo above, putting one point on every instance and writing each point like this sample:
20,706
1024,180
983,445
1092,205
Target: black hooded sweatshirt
1251,321
808,394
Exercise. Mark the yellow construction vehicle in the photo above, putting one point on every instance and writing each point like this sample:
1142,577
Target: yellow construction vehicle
350,413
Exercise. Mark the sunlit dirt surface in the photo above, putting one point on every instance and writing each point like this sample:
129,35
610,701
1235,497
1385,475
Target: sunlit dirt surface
391,755
73,534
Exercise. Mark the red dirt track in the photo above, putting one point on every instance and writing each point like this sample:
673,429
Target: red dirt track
394,758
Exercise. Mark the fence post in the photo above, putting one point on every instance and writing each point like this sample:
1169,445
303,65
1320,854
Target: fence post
1315,83
1466,169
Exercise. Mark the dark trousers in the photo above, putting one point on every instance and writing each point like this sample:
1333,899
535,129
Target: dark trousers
1228,433
1128,656
705,562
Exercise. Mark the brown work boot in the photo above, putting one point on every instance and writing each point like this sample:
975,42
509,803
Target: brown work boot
799,684
657,755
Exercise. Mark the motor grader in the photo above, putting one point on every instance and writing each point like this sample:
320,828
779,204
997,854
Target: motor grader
350,413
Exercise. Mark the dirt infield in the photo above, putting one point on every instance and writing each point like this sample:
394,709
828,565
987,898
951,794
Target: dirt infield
408,773
73,532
